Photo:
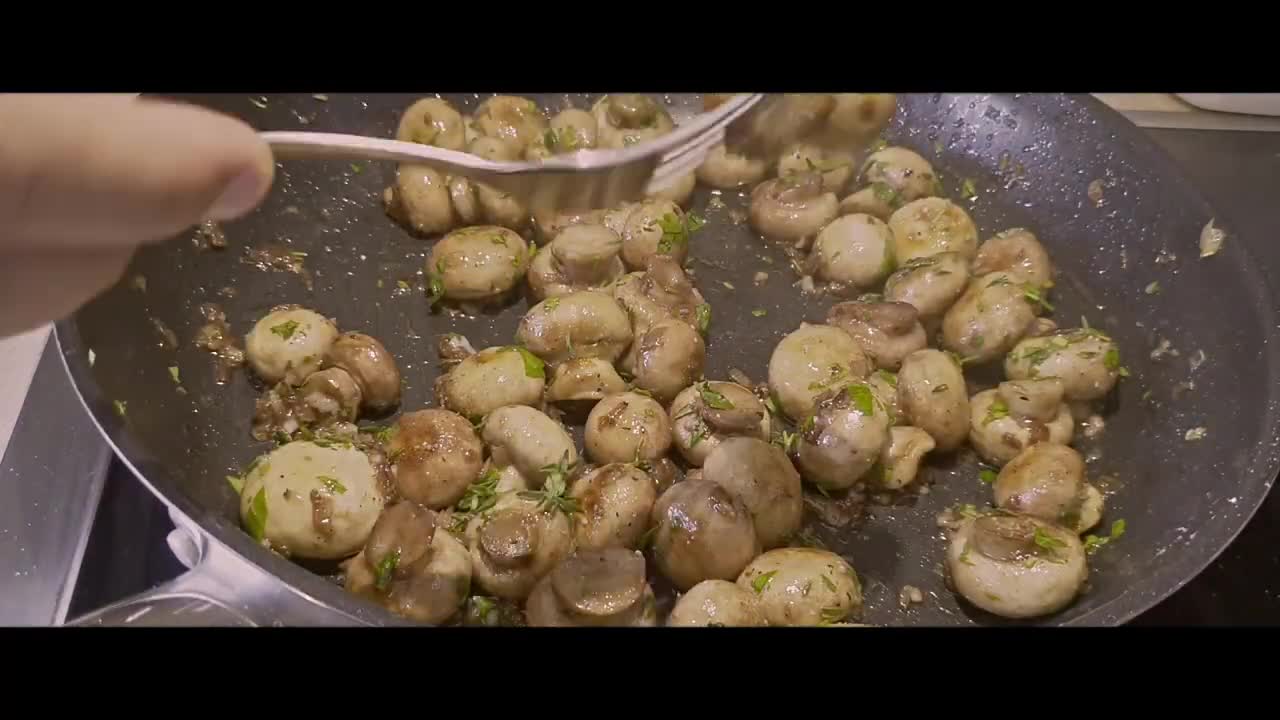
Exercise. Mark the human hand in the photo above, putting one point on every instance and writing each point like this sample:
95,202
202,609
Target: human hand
85,179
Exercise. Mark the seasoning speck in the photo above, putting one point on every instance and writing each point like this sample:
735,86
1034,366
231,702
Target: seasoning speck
908,595
1211,240
321,97
760,278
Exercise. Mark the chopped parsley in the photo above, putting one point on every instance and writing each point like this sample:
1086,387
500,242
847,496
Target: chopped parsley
121,407
1047,541
435,288
714,399
830,585
968,190
236,482
861,397
698,436
987,475
702,316
1112,359
1036,296
533,365
889,378
996,411
759,312
879,145
386,570
832,615
761,581
332,485
285,329
676,231
1093,543
256,521
175,374
550,304
1152,288
786,441
885,194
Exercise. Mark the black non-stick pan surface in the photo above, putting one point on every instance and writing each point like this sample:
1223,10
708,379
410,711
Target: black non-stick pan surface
1032,160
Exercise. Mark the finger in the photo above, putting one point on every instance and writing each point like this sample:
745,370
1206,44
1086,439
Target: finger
39,286
102,170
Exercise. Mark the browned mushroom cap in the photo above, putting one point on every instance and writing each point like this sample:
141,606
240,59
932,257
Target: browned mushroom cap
403,530
887,331
509,537
666,283
370,365
600,583
437,455
763,478
703,532
425,597
1005,537
1046,480
332,394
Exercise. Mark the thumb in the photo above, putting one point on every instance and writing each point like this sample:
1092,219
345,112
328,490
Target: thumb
109,171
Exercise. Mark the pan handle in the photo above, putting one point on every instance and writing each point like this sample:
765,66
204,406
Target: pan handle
219,590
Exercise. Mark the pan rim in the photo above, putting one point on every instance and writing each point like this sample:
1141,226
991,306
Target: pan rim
1261,469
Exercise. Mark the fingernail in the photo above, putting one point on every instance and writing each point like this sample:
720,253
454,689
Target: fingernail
239,196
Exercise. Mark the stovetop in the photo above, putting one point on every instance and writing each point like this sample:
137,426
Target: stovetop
127,553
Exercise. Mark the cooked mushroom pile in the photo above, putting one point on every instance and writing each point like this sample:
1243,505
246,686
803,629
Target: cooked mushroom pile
486,510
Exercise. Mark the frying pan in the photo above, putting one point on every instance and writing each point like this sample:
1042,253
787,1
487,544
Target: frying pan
1032,160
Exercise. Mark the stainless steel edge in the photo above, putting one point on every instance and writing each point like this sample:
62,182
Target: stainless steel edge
1202,121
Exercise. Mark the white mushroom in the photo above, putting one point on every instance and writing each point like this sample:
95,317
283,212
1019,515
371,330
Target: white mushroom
993,314
784,120
856,250
761,475
430,588
594,588
309,501
703,532
657,227
705,414
436,454
842,439
614,503
289,343
627,427
1047,481
725,170
679,192
549,223
479,264
498,207
932,225
1017,414
811,360
893,176
901,455
717,603
465,199
933,397
791,208
1016,566
369,364
803,587
669,356
490,379
582,257
420,199
886,331
515,544
836,166
581,324
1016,251
584,380
529,440
571,130
516,121
931,283
859,117
624,119
432,121
662,291
1085,360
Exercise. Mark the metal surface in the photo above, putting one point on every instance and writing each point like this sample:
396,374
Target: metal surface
50,482
1032,159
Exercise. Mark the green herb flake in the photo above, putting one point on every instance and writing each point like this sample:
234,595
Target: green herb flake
889,378
285,329
121,407
759,312
987,476
1093,543
702,315
533,365
1117,529
1112,359
256,521
1047,541
996,411
830,585
879,145
714,399
550,304
771,405
861,397
676,231
968,190
832,615
236,482
357,168
885,194
332,485
761,581
1036,296
977,341
697,437
386,570
964,555
435,289
385,434
175,374
1152,288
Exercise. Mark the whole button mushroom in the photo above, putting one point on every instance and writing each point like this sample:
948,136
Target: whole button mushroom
1085,360
994,313
930,284
517,543
1017,414
761,475
333,396
490,379
703,532
933,397
706,413
1015,251
810,361
791,208
479,264
803,587
436,455
680,191
580,324
717,603
516,121
667,358
932,225
893,176
726,170
421,200
835,166
1016,566
370,365
593,588
581,257
530,441
497,207
625,119
854,250
614,503
1047,481
842,440
886,331
900,457
627,427
657,227
432,121
412,566
288,344
584,381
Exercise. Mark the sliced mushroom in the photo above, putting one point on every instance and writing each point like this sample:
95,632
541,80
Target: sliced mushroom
490,379
1045,481
1016,566
624,119
516,121
436,455
717,603
704,414
886,331
581,324
288,344
1015,251
901,455
811,360
835,166
656,227
370,365
627,427
843,437
535,444
432,121
933,397
615,502
479,264
761,475
669,356
1017,414
703,532
582,257
803,587
420,199
931,284
932,225
726,170
791,208
594,588
856,250
309,501
1086,361
992,315
515,544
